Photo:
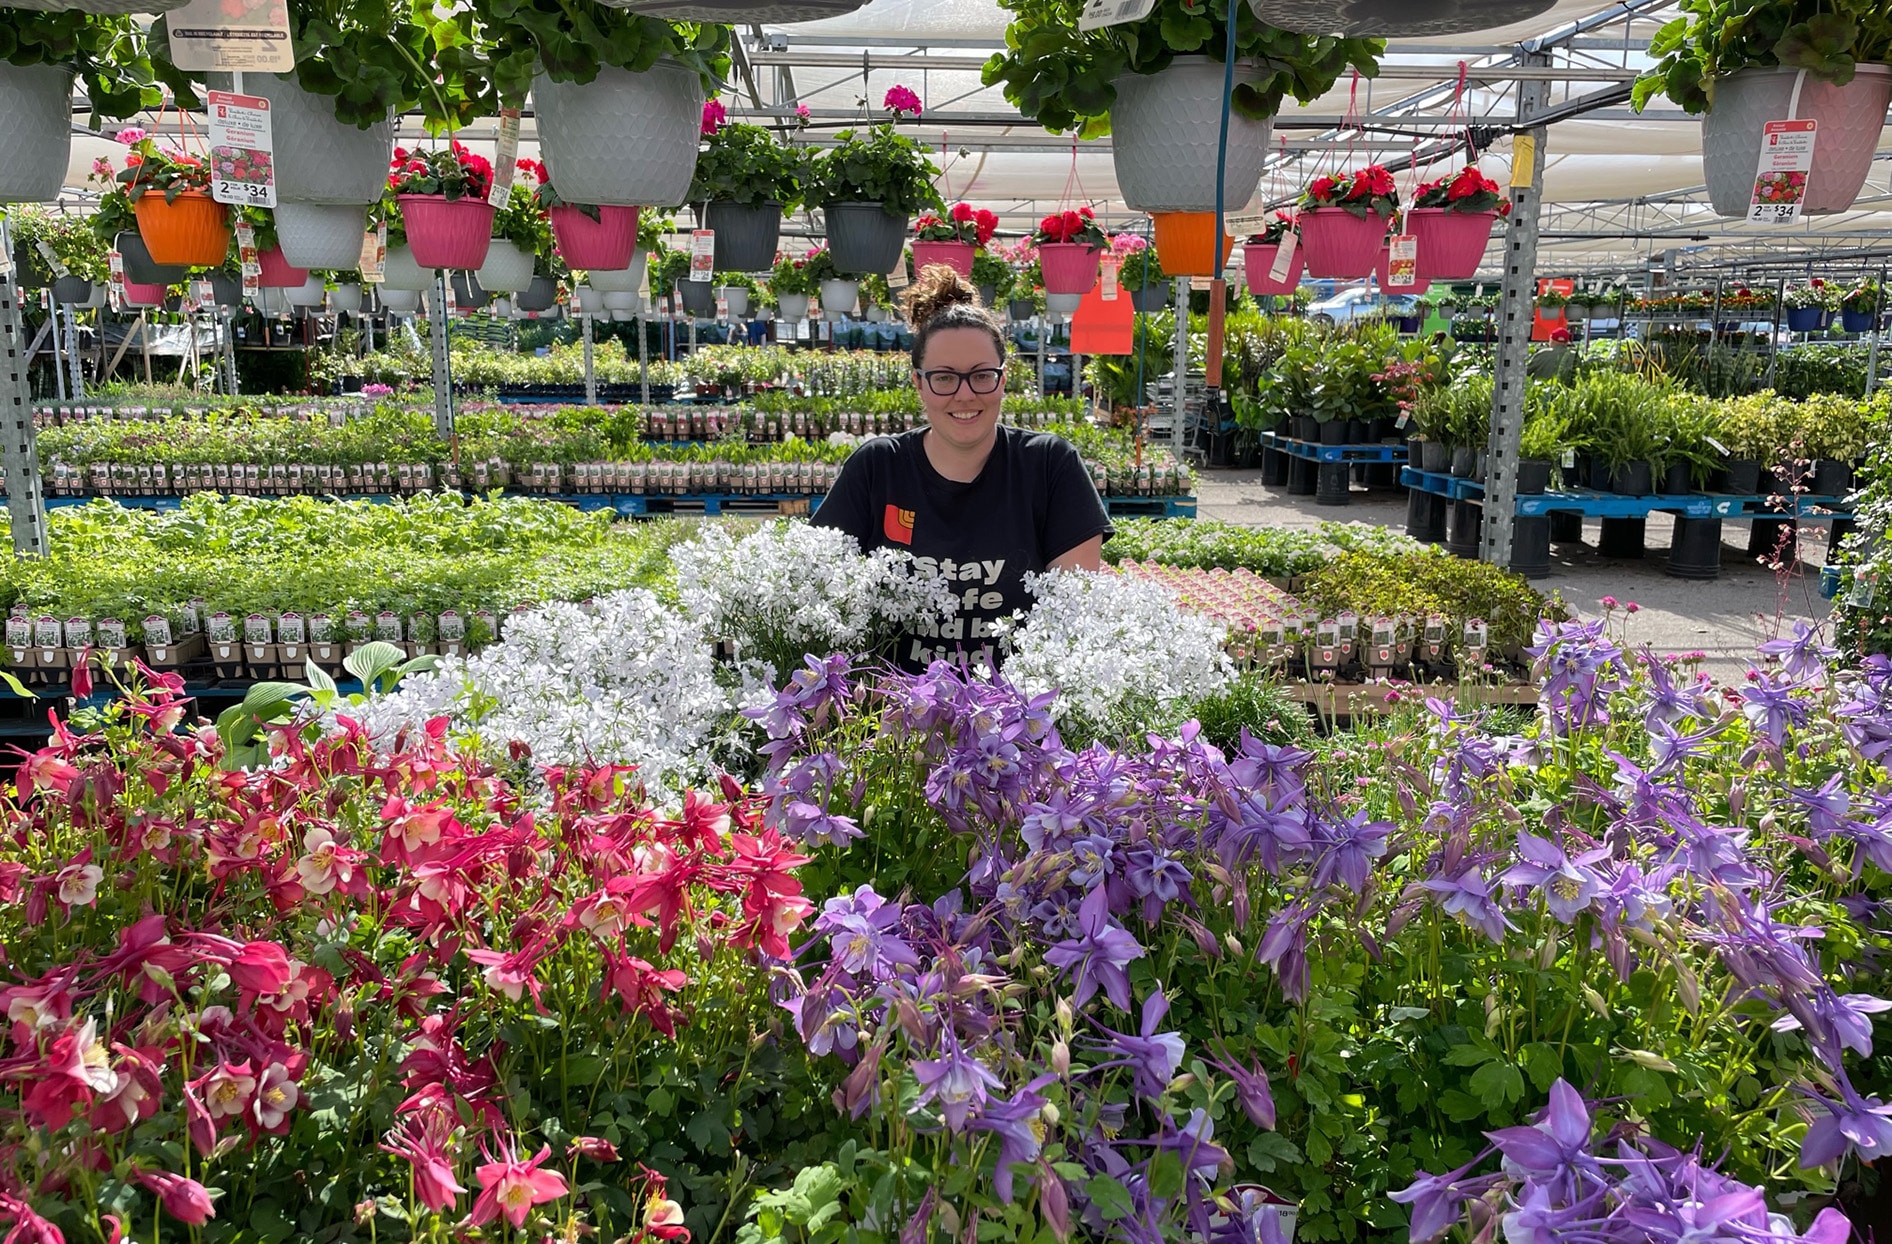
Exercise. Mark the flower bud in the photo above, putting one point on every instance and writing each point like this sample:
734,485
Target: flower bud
1596,1002
1061,1058
1234,944
1547,953
1050,1114
1064,1014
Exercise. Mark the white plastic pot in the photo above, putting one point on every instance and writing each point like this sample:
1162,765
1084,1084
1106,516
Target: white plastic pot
623,300
1850,118
587,299
321,235
36,141
623,138
838,297
308,294
400,301
792,307
345,299
401,272
318,158
1062,306
737,299
629,278
1164,130
502,308
507,269
1405,19
877,315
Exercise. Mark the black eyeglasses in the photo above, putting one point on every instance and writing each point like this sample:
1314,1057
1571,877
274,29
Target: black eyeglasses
944,381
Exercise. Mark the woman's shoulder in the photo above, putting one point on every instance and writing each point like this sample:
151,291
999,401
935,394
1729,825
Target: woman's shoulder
891,447
1035,446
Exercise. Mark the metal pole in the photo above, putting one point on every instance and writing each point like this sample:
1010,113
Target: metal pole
59,360
443,364
76,382
227,339
26,510
1872,352
1515,316
591,374
1180,423
643,361
1773,339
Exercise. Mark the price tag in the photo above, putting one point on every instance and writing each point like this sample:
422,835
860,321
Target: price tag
1865,587
1402,262
1100,13
702,255
506,158
374,254
51,257
1569,459
722,308
1284,256
249,264
1780,183
226,35
897,279
1476,633
1107,273
115,287
242,159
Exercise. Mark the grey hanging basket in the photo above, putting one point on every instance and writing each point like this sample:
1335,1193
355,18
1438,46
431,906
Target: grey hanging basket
319,159
865,239
623,138
1405,19
699,298
226,290
541,295
72,290
1164,130
138,263
467,291
36,141
746,236
738,12
1152,298
1850,117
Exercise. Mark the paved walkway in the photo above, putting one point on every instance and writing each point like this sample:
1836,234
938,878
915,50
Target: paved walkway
1723,618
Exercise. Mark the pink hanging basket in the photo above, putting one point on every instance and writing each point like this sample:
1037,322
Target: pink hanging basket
1068,267
278,273
954,255
138,294
1258,261
1451,244
447,233
602,245
1337,245
1380,274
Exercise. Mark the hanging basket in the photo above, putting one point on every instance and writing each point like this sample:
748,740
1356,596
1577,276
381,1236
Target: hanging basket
401,272
623,138
1258,261
1337,245
71,290
1850,118
345,299
140,294
36,141
586,300
226,290
319,159
746,236
622,301
138,265
865,239
193,229
629,279
954,255
791,307
1069,267
738,12
278,272
602,245
447,233
467,292
1382,271
328,236
736,298
1185,243
399,301
1404,19
507,269
839,297
1164,132
1451,244
1151,298
698,298
1803,319
541,295
308,294
1062,306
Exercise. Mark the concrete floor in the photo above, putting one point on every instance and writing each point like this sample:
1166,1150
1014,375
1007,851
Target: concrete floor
1723,618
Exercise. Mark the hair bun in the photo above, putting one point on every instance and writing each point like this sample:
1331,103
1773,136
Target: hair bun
937,289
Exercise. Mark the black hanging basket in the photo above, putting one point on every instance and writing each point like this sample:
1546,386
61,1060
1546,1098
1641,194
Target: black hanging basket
746,236
865,239
699,298
138,263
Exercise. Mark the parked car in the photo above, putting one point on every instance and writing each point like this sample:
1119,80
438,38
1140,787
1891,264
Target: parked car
1356,304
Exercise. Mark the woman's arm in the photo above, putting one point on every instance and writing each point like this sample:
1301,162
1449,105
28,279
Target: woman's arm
1086,556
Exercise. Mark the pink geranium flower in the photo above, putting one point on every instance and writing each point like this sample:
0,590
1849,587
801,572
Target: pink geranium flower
715,116
901,102
511,1187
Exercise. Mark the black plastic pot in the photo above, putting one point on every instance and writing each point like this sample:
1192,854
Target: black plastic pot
1435,457
1333,485
1464,462
1695,552
1425,516
1836,533
1744,476
1622,538
865,239
71,289
1599,475
1676,481
1021,309
139,266
1332,432
1274,468
27,265
1464,529
1478,467
1356,431
698,297
541,295
1534,480
467,291
746,237
226,289
1772,537
1632,479
1831,478
988,294
1566,527
1530,547
1300,477
1151,298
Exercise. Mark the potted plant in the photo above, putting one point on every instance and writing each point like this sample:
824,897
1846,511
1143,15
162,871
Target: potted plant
952,240
1343,221
618,97
1581,304
1859,307
178,220
1540,441
1069,244
278,272
1188,243
738,291
839,293
670,274
442,199
1551,299
746,181
1451,221
1806,306
593,237
869,186
1742,63
791,284
1143,277
1155,85
44,50
115,224
520,236
1262,249
992,277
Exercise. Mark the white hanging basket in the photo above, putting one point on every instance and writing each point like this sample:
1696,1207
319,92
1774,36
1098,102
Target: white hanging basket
838,297
623,138
401,272
308,294
36,139
1062,306
737,299
321,235
1404,19
1850,118
399,301
345,299
623,300
792,307
587,300
738,12
507,269
627,279
103,8
319,159
1164,129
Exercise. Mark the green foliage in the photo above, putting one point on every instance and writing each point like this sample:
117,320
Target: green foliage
106,53
1374,583
1256,703
524,223
989,270
70,236
1714,38
747,164
882,166
571,43
1141,269
1272,552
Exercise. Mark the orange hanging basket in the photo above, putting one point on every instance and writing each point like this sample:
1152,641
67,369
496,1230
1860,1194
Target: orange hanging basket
1185,243
192,229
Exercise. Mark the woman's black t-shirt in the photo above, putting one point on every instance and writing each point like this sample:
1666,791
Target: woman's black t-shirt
1033,501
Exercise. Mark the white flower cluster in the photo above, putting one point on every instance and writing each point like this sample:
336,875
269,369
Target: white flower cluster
628,681
790,589
1118,651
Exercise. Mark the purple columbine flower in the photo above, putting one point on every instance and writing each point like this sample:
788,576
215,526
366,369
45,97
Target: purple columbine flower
956,1080
1438,1201
811,823
1467,895
1853,1124
1015,1123
1157,879
1568,885
1093,861
1839,1021
1251,1088
1355,843
1152,1056
1826,805
1557,1142
1097,955
1284,948
1802,657
1770,705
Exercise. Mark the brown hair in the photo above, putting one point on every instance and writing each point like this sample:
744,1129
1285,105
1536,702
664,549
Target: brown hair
941,298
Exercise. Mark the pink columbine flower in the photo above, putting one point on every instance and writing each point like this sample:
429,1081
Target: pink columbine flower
183,1199
260,968
715,116
424,1145
511,1187
597,1148
79,884
325,863
901,101
276,1095
227,1090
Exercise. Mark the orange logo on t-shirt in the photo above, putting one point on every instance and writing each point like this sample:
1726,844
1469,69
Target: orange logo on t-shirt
898,524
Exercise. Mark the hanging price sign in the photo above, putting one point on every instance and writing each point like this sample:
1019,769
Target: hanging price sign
239,35
1780,183
1402,262
374,254
702,255
1284,256
1107,275
242,158
506,159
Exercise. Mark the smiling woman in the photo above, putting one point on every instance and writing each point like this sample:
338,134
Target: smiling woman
986,505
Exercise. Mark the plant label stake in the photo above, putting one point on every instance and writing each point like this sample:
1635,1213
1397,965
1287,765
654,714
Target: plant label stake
702,255
1284,256
1780,183
1402,262
248,262
1100,13
374,254
1107,276
505,159
242,160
